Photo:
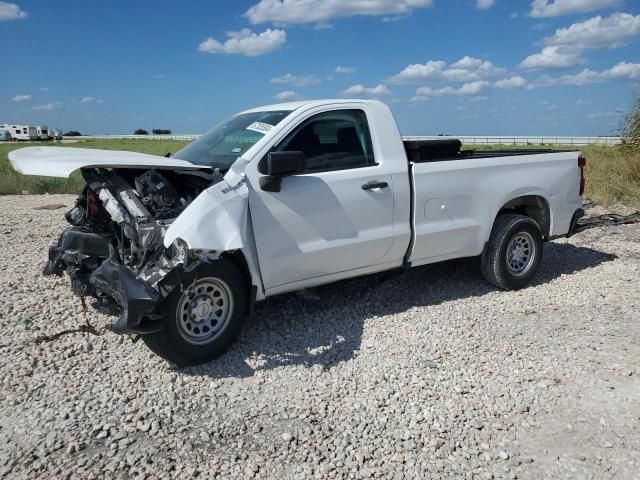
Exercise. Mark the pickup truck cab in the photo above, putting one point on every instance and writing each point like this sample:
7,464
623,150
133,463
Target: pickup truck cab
287,197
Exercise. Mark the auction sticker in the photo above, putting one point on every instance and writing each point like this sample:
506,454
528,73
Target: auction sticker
260,127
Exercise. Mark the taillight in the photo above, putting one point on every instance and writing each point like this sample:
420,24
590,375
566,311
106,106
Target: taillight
582,163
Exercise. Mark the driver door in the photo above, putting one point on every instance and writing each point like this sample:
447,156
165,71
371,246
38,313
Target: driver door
327,220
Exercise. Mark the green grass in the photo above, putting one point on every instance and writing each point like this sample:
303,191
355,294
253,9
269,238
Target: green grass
613,173
12,182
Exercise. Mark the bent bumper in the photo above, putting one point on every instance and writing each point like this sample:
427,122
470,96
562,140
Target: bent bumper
136,298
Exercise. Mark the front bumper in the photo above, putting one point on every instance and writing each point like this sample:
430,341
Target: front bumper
135,297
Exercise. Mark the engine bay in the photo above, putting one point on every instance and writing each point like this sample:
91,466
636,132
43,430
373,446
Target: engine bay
114,246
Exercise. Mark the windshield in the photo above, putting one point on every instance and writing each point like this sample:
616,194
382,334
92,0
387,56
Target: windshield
225,142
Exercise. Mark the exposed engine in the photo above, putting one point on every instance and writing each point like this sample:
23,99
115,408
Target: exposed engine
159,195
114,249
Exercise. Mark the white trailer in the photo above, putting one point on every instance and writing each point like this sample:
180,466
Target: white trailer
43,132
21,132
33,133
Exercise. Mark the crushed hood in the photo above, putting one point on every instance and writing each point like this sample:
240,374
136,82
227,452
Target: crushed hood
62,161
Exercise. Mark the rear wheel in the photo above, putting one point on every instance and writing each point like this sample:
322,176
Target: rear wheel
513,253
202,321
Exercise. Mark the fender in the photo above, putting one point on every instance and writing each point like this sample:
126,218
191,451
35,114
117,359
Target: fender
219,220
512,195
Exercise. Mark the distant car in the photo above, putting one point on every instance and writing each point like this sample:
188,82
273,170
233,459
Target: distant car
55,134
5,136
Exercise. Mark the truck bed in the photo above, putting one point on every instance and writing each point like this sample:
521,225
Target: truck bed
422,151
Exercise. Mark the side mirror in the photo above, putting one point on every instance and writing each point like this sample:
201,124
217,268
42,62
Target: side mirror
283,164
280,165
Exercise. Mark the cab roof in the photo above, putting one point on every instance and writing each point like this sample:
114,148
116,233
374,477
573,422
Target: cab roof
308,103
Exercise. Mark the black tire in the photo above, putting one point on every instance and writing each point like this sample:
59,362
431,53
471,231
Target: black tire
171,342
497,268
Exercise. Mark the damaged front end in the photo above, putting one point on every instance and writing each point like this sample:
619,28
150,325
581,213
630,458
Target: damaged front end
114,249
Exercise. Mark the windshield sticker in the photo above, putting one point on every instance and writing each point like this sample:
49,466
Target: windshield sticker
236,150
260,127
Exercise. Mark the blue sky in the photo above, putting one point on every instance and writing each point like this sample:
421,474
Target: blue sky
461,67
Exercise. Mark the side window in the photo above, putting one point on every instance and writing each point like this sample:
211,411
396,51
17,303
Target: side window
334,140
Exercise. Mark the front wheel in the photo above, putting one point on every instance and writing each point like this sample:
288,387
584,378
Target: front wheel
513,253
202,321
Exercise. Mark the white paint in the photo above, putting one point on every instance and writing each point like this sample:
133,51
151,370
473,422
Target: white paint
457,201
323,227
63,161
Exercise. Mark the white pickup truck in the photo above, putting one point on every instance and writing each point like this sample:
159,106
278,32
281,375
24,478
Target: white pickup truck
286,197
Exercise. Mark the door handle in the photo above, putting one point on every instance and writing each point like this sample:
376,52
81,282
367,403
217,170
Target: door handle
373,185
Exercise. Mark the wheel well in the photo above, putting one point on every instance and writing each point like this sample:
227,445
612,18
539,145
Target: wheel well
237,258
533,206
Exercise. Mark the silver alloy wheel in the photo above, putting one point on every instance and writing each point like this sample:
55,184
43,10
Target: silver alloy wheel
204,310
521,253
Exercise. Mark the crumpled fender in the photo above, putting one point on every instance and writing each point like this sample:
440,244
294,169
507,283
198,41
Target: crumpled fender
217,218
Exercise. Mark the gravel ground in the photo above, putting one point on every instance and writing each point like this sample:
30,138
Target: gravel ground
429,373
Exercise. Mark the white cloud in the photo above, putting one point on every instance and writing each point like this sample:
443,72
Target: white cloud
552,58
159,76
340,69
597,32
621,71
581,101
11,11
555,8
361,90
618,112
48,106
297,80
44,89
472,88
564,48
21,98
245,42
284,12
467,89
512,82
91,100
287,95
484,4
466,69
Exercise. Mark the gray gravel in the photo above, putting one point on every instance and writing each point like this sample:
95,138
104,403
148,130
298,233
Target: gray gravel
430,373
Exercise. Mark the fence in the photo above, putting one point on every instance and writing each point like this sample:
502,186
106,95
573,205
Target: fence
135,137
466,140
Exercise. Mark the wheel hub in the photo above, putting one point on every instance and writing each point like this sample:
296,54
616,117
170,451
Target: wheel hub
520,253
204,310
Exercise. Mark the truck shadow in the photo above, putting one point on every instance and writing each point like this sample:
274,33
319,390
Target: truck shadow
324,326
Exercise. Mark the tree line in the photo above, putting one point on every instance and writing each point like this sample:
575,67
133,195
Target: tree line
155,131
